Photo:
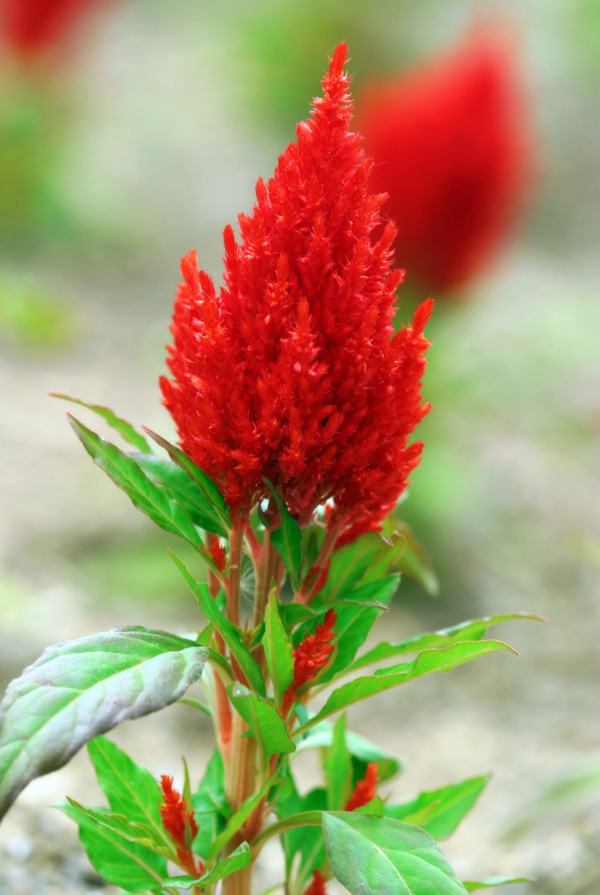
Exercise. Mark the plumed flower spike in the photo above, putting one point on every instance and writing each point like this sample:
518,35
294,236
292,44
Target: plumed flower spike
292,371
178,820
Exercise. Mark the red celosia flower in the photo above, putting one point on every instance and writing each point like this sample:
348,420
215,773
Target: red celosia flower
292,371
450,146
178,820
365,789
31,26
317,886
310,656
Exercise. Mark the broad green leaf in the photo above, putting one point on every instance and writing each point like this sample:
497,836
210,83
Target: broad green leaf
426,662
204,481
263,719
81,688
151,499
493,881
338,768
237,860
287,537
122,826
367,558
184,489
229,632
239,818
120,862
379,855
360,748
125,429
294,614
278,650
130,789
353,624
441,810
471,630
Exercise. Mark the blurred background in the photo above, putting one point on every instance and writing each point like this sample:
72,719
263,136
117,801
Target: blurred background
132,131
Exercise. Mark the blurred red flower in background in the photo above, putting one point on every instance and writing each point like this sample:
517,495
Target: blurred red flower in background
30,27
293,372
451,148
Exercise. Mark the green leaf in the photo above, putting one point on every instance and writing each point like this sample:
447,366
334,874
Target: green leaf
414,561
263,719
367,558
466,631
132,831
131,790
360,748
184,489
378,855
125,429
237,860
151,499
440,811
120,862
229,632
353,624
81,688
278,650
204,481
239,818
338,767
287,537
210,805
492,881
305,841
383,679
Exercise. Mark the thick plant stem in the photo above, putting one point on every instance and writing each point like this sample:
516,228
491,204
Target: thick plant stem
239,785
269,570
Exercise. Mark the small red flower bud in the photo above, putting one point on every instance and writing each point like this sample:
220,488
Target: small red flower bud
218,554
317,886
365,789
310,656
178,820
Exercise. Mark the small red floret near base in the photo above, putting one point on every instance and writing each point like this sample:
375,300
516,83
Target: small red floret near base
317,886
310,656
292,371
178,821
365,789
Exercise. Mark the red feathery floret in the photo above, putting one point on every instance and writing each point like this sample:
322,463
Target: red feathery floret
178,820
310,656
317,886
451,148
218,554
292,372
365,789
31,26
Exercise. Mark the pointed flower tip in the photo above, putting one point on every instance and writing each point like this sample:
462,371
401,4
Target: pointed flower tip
422,315
337,60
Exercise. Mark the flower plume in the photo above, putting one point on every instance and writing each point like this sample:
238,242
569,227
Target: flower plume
292,371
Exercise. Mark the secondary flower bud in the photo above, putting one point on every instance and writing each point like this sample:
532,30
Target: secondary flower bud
451,149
